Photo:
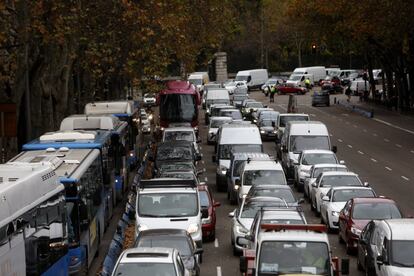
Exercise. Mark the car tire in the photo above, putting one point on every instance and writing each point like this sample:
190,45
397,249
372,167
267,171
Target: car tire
236,252
359,265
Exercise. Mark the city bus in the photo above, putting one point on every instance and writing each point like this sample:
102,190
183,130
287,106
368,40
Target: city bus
80,171
178,105
33,220
126,111
119,144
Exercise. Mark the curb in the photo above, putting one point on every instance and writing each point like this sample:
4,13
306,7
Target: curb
354,108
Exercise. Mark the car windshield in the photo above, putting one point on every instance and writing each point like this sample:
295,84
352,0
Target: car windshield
300,143
287,257
267,123
345,195
149,95
234,114
250,210
226,150
238,164
218,123
181,175
285,194
295,77
238,97
271,81
319,158
216,111
196,81
241,78
402,253
170,153
176,166
168,205
285,119
269,116
375,210
130,269
204,201
254,105
179,136
178,107
260,177
319,171
282,221
179,243
340,180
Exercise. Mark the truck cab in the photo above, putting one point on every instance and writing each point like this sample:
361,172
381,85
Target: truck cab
292,249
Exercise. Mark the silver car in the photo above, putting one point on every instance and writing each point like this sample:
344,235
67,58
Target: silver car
215,123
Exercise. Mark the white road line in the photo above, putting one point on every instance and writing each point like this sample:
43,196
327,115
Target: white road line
388,168
349,146
219,271
398,145
405,178
340,140
386,140
216,244
412,151
360,152
394,126
374,160
375,134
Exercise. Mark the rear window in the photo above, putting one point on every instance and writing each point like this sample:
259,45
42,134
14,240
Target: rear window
377,210
263,177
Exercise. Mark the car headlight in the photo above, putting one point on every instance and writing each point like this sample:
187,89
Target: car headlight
150,117
274,131
355,231
236,187
192,228
335,213
254,121
262,131
206,220
222,170
241,230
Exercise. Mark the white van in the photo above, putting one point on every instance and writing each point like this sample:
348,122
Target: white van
299,136
254,78
217,96
199,79
232,138
314,73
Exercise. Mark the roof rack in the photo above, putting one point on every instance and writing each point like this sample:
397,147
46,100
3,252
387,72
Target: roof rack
167,183
319,228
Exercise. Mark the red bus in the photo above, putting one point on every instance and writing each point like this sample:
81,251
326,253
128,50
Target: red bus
178,105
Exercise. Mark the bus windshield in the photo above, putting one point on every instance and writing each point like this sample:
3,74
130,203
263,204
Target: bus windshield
178,108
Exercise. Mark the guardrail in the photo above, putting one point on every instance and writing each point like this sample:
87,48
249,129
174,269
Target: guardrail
355,108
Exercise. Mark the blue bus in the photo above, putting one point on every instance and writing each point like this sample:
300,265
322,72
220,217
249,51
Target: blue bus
119,145
33,220
99,140
126,111
81,173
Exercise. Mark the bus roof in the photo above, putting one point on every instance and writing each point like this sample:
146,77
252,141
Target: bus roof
24,186
179,87
117,108
92,122
70,139
69,164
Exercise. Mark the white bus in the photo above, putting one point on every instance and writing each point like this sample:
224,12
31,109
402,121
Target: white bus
33,220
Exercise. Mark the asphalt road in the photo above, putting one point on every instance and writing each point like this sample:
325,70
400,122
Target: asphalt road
379,150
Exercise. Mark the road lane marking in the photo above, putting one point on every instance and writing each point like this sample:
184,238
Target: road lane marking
405,178
394,126
340,140
412,151
216,244
349,146
386,140
374,160
219,271
398,145
355,126
375,134
388,168
360,152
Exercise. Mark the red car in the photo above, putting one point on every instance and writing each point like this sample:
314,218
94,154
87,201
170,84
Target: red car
291,89
208,213
331,80
358,212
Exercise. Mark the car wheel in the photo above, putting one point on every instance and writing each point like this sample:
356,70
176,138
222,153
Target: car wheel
359,265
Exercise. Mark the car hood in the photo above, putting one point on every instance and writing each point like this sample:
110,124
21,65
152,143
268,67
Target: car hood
224,163
267,128
188,262
398,271
337,206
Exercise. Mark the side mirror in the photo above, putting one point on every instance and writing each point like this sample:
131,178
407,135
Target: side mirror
314,184
342,162
216,204
213,158
242,241
243,264
366,184
199,251
273,124
231,214
325,198
334,149
345,267
265,106
301,200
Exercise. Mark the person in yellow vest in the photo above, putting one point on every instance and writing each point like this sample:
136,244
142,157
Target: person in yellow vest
307,83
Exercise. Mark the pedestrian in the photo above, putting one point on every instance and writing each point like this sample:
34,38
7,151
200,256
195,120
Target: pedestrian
348,93
308,83
272,93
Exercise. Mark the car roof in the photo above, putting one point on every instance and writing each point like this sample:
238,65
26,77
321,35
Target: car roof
163,232
147,254
285,213
294,235
323,165
335,173
220,118
361,200
246,155
401,229
179,129
351,188
262,165
203,187
271,186
175,143
293,114
317,151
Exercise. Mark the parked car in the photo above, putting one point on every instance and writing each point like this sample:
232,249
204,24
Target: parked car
150,261
335,200
386,247
290,88
332,88
173,238
283,192
181,134
270,83
149,99
208,212
215,123
317,170
321,98
358,212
